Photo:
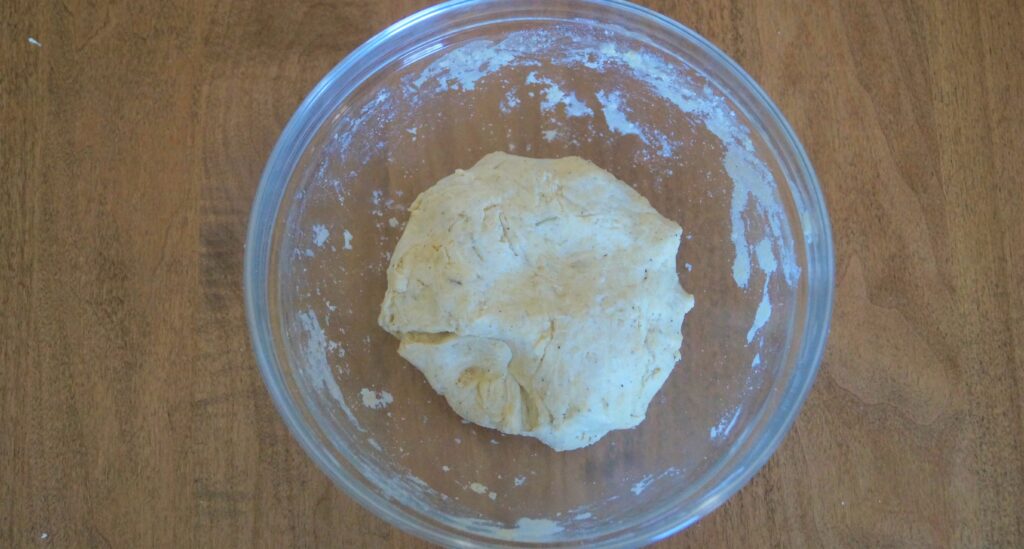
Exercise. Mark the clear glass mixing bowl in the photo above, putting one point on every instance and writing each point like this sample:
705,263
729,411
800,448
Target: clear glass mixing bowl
639,95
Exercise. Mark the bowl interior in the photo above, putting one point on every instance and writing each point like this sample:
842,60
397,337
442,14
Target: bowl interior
602,81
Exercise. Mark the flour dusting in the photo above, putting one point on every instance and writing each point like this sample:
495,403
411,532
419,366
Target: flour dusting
376,400
320,235
615,115
554,96
639,487
317,370
725,425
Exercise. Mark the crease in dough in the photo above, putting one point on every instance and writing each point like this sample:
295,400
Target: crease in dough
539,297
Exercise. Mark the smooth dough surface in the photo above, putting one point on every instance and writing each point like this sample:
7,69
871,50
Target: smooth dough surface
540,297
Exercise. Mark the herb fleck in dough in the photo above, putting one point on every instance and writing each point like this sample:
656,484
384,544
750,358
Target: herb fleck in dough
540,297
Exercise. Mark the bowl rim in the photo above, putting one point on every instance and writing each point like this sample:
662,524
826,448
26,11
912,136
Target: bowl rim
296,136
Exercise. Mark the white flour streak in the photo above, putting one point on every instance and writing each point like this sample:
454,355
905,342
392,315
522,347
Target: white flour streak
376,400
317,369
462,68
528,529
725,424
764,312
639,487
765,257
554,95
509,103
483,490
320,235
615,115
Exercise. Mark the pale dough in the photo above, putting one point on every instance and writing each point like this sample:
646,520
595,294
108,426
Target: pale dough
540,297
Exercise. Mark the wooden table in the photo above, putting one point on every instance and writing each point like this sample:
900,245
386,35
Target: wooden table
132,137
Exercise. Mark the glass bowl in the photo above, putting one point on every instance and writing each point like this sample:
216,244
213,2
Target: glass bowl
639,95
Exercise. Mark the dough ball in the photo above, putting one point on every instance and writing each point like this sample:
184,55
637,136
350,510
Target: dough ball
540,297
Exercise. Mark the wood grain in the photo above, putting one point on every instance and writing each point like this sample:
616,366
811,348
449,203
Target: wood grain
131,143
